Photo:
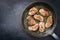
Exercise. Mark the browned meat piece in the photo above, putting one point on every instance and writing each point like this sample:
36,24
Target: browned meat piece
30,20
44,12
41,26
32,11
38,17
49,22
33,28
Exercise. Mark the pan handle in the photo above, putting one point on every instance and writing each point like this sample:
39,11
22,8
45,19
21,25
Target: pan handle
55,36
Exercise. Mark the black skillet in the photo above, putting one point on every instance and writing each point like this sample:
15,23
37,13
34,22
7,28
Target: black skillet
49,31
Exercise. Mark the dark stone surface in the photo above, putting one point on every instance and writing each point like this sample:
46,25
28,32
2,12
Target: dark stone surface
10,19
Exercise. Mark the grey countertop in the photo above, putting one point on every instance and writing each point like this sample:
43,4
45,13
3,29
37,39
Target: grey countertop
10,19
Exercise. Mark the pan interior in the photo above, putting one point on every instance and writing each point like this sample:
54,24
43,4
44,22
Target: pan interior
38,5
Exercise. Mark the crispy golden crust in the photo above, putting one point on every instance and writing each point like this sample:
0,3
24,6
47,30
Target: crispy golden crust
49,22
33,28
44,12
30,20
32,11
38,17
41,26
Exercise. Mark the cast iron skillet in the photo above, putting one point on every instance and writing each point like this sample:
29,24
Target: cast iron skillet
49,31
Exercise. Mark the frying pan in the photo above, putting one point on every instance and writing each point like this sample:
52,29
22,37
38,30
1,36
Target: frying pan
49,31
